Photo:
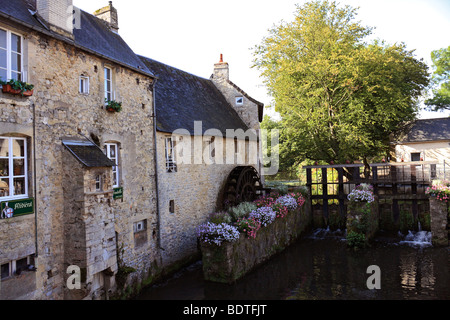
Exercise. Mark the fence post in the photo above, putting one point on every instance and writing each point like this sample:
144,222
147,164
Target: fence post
325,192
309,184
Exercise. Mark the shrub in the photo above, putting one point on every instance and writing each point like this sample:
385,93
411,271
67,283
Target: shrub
356,240
241,210
265,215
217,233
220,217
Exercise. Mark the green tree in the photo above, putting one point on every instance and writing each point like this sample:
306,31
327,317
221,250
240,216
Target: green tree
339,98
440,80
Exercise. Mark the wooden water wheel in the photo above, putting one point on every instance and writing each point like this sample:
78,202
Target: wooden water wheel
243,184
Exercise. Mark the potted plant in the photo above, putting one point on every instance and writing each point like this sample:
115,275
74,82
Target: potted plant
113,106
17,87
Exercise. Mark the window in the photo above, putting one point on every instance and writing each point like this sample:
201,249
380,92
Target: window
13,168
140,226
98,183
10,55
112,152
108,84
84,85
415,156
172,206
171,165
239,101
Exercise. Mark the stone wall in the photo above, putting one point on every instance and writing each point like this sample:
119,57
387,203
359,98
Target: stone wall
195,189
439,222
61,111
232,260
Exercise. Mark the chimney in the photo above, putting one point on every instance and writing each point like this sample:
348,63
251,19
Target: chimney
58,14
109,14
221,71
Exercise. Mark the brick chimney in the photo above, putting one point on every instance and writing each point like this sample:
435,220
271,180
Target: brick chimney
58,14
221,71
109,14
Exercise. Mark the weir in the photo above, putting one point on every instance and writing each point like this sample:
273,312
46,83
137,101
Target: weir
399,188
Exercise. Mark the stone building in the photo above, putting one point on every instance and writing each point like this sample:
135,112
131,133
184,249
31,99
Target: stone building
93,201
205,129
424,140
63,155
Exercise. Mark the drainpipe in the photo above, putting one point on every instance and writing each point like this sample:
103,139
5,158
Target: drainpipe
34,181
155,153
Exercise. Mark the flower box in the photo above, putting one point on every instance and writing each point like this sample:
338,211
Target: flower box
232,260
7,88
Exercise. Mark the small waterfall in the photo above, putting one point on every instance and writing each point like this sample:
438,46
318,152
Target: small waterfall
417,238
322,233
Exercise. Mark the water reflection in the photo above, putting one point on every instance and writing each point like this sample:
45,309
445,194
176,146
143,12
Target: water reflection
324,269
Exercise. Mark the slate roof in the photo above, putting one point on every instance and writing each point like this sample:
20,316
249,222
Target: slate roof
425,130
94,35
182,98
88,153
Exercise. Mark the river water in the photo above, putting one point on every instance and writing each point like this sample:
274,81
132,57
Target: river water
321,267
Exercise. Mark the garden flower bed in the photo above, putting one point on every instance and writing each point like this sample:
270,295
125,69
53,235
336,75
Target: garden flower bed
234,242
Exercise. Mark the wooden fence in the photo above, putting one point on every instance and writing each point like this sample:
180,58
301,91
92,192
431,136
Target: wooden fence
392,182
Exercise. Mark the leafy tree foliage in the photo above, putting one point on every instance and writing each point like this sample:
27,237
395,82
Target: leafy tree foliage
339,98
440,80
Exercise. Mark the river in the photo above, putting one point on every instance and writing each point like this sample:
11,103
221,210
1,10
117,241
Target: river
321,267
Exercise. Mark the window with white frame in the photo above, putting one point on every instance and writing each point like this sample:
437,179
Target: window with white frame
98,183
112,152
108,84
13,168
84,85
171,165
11,59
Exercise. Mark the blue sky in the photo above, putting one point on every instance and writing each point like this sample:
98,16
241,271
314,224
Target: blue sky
190,35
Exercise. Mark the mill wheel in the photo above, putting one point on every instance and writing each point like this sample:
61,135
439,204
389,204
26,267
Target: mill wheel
243,184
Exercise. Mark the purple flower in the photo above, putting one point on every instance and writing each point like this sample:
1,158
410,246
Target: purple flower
265,215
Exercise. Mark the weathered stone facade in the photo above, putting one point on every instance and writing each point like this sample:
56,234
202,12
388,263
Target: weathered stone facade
76,225
118,244
195,190
439,222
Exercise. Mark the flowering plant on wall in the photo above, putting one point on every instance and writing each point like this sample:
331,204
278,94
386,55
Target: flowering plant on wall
362,193
17,87
265,215
217,233
113,106
439,189
248,218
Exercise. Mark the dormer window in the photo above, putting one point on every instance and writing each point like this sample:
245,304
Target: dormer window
10,56
239,101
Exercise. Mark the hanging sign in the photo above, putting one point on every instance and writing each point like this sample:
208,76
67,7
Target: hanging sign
118,193
15,208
